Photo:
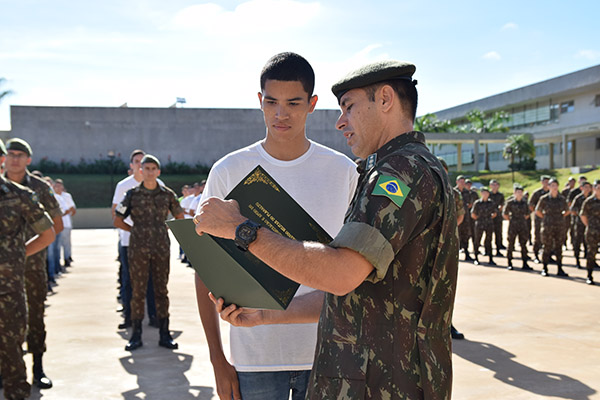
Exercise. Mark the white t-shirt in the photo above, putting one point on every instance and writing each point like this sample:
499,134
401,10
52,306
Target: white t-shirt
122,187
322,181
185,204
65,201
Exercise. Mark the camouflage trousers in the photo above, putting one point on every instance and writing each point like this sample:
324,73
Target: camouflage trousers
523,235
578,238
480,229
464,232
498,230
13,323
142,260
592,240
552,241
36,288
537,238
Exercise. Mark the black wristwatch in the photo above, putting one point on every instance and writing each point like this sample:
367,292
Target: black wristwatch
245,234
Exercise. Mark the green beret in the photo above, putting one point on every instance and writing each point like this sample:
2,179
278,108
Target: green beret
20,145
149,158
373,73
2,148
444,163
460,177
544,177
484,189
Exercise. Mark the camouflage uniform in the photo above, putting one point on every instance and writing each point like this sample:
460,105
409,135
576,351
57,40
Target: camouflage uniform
553,226
36,275
20,212
460,204
572,219
484,223
578,228
591,209
390,337
517,225
537,221
465,230
149,245
498,199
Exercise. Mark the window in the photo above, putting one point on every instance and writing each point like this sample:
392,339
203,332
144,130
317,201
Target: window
554,112
567,107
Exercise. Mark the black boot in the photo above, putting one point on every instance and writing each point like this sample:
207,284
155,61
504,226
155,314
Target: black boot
153,322
510,266
476,262
39,378
467,256
545,270
577,263
491,261
525,266
560,271
498,254
136,336
456,334
165,336
589,280
126,324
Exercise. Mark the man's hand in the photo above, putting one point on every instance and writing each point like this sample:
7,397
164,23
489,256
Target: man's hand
218,217
238,316
228,385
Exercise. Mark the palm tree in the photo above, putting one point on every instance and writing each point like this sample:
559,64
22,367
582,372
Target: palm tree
519,146
478,123
5,92
430,123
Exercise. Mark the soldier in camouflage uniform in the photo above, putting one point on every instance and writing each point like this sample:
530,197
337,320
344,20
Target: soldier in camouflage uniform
537,222
465,230
590,216
516,211
20,212
390,273
149,247
570,220
36,276
498,198
573,193
483,212
578,229
551,209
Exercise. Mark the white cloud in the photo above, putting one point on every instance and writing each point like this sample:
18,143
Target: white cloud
246,18
510,26
492,55
588,54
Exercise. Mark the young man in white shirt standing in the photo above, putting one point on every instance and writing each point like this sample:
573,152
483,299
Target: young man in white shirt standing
67,205
269,361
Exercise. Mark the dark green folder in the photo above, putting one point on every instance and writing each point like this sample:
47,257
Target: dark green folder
237,276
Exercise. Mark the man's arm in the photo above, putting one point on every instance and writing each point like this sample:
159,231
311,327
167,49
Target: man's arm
584,219
337,271
58,224
225,374
40,242
118,222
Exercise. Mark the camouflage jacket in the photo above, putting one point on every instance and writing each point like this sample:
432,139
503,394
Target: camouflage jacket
591,209
535,197
517,211
390,337
20,210
467,200
572,194
45,195
553,209
484,210
576,208
460,204
498,199
149,210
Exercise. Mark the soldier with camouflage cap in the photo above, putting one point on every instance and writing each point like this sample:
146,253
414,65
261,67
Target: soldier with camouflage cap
149,205
516,211
483,213
36,276
552,210
590,216
394,260
537,221
578,228
21,213
465,229
498,198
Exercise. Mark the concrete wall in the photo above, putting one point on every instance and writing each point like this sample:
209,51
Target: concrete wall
180,134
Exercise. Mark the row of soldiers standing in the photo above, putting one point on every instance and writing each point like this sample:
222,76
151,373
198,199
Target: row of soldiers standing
576,209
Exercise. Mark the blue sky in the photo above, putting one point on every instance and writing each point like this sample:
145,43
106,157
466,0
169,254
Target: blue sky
148,52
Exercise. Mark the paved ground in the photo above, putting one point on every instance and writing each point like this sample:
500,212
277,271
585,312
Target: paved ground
528,337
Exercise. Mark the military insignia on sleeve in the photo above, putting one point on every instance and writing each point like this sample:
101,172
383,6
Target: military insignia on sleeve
121,209
34,197
51,191
392,188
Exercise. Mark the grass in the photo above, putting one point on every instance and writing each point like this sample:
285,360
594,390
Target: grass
91,191
530,180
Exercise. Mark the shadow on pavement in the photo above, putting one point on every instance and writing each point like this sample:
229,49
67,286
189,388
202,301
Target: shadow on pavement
513,373
161,375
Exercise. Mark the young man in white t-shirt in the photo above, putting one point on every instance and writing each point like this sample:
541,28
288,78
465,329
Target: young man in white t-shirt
68,208
269,361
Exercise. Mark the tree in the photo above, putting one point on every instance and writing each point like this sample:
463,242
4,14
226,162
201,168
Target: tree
520,146
5,92
430,123
479,123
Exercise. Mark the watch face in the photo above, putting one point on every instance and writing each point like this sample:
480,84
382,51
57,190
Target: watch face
245,232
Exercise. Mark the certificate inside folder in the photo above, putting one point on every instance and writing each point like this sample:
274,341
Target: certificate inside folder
238,276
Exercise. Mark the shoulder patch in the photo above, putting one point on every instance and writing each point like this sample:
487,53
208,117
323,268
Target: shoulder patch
392,188
121,209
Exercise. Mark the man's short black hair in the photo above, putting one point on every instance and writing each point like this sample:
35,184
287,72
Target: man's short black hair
406,91
289,67
135,153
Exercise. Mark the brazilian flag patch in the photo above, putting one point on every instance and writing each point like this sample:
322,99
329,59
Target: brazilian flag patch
392,188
